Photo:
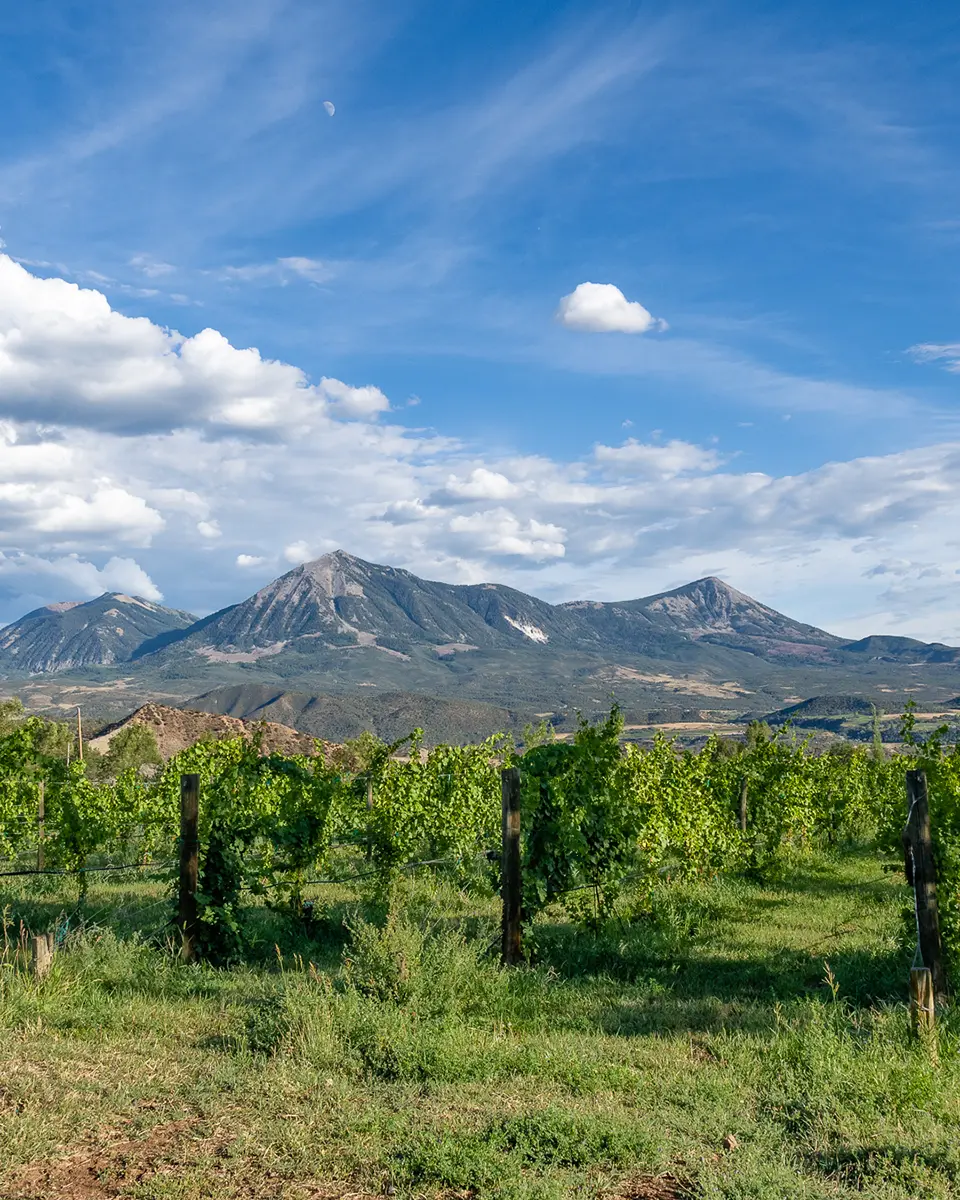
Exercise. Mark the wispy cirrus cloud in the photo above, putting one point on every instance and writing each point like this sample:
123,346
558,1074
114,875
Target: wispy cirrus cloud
945,353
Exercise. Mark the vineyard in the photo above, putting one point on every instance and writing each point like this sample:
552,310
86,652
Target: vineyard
359,896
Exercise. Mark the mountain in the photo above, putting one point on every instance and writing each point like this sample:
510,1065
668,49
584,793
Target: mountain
73,635
710,611
338,643
348,602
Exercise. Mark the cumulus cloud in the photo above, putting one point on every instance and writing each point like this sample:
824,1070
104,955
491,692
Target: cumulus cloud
499,531
250,560
67,358
357,403
603,308
480,484
72,576
297,552
64,512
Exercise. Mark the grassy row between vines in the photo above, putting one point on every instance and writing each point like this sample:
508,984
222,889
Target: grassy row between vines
737,1039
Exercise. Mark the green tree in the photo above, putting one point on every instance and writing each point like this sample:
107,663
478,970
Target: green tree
11,714
357,756
758,734
131,748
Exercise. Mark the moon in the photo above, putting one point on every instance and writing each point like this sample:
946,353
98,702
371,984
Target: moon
330,107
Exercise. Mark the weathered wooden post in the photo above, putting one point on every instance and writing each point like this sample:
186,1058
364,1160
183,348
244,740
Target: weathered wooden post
510,877
922,1018
41,954
41,831
744,794
189,864
922,873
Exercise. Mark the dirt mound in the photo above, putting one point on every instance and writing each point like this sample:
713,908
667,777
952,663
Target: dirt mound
177,728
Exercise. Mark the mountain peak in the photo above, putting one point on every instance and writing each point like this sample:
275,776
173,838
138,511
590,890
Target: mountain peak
74,634
709,607
331,575
710,587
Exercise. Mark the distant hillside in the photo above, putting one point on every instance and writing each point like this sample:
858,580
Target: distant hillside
882,648
823,706
390,715
175,729
72,635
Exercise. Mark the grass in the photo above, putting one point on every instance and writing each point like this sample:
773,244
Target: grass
736,1039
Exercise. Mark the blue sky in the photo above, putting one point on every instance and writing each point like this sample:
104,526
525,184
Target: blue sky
777,186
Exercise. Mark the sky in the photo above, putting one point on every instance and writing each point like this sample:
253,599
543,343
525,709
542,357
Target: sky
592,299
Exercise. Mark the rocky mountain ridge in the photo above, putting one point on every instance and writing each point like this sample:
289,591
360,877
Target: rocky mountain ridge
340,602
71,635
340,625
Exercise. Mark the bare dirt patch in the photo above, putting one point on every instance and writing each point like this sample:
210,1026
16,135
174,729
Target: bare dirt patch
115,1167
654,1187
670,683
106,1169
690,726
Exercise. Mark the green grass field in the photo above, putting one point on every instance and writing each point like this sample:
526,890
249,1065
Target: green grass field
734,1039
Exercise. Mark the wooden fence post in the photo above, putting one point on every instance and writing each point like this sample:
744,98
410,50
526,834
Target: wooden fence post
189,863
922,1016
510,878
41,954
41,818
744,793
919,845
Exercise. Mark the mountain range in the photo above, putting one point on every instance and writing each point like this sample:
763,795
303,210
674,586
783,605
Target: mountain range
71,635
340,625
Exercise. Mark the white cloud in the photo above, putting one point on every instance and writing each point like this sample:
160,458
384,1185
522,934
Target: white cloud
948,353
499,531
307,268
66,357
481,484
603,308
280,271
64,512
71,575
357,403
250,560
298,552
151,267
658,461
